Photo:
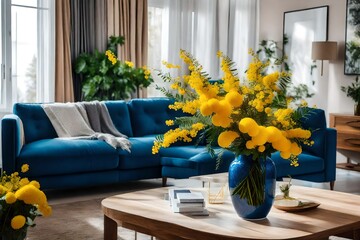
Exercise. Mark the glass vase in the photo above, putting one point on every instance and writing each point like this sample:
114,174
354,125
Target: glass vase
263,177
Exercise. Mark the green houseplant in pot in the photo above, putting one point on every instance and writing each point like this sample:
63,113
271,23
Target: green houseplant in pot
107,78
353,91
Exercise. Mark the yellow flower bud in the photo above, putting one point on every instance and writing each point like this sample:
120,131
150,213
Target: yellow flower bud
224,108
295,149
247,125
261,137
10,198
226,138
24,168
206,109
285,155
169,122
35,184
234,98
282,145
31,195
273,133
221,120
214,104
261,148
45,210
250,145
18,222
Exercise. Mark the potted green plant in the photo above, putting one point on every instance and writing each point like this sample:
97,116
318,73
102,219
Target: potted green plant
353,91
107,78
268,52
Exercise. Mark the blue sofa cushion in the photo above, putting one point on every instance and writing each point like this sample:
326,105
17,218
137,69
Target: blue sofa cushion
184,152
192,157
307,164
140,146
36,124
148,115
177,163
58,156
136,162
141,155
120,116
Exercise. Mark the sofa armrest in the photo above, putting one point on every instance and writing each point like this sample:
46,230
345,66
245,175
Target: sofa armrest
12,139
330,154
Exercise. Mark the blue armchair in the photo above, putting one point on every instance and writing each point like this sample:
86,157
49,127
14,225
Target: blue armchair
317,163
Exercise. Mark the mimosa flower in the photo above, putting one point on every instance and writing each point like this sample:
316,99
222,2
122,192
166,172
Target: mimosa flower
18,222
129,63
24,168
249,115
10,198
225,139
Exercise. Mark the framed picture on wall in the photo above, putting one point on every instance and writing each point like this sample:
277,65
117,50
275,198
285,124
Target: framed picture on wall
300,29
352,38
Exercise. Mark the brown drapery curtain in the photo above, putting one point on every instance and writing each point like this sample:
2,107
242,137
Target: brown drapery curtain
88,32
63,77
128,18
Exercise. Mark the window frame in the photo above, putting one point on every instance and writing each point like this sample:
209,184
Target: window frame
6,58
45,89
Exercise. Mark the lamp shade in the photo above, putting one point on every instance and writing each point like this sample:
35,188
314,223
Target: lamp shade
324,50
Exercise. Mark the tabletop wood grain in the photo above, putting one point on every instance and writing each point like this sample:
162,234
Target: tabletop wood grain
147,212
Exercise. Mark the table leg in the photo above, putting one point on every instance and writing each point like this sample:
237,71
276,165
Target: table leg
110,229
356,234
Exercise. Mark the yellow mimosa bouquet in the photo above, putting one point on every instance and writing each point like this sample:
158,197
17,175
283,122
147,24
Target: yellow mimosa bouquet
250,116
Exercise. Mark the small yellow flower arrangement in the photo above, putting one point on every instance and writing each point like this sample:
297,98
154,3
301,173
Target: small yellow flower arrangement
21,201
251,116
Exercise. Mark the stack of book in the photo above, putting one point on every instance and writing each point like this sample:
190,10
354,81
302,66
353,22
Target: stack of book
187,201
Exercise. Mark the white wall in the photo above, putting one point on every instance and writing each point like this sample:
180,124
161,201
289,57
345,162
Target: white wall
330,97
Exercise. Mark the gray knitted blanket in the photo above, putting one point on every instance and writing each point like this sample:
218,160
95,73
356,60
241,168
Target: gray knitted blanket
85,120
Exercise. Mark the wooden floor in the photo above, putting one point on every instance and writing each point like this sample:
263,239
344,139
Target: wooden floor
349,166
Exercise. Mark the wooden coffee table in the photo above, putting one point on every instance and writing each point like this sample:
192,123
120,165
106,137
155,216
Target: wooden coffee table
147,212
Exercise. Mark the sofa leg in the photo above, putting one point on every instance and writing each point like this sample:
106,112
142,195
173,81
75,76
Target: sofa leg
164,179
332,183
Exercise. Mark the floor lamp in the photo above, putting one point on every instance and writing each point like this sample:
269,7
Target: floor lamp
324,50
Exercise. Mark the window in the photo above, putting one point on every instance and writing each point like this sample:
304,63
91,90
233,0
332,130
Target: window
1,57
154,45
28,67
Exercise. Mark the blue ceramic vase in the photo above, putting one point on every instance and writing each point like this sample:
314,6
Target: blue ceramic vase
239,169
19,234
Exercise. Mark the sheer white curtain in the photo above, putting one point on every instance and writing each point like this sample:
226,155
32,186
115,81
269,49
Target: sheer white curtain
243,31
203,27
177,32
207,34
192,25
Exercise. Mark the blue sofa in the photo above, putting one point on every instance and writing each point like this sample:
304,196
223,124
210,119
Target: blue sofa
59,164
